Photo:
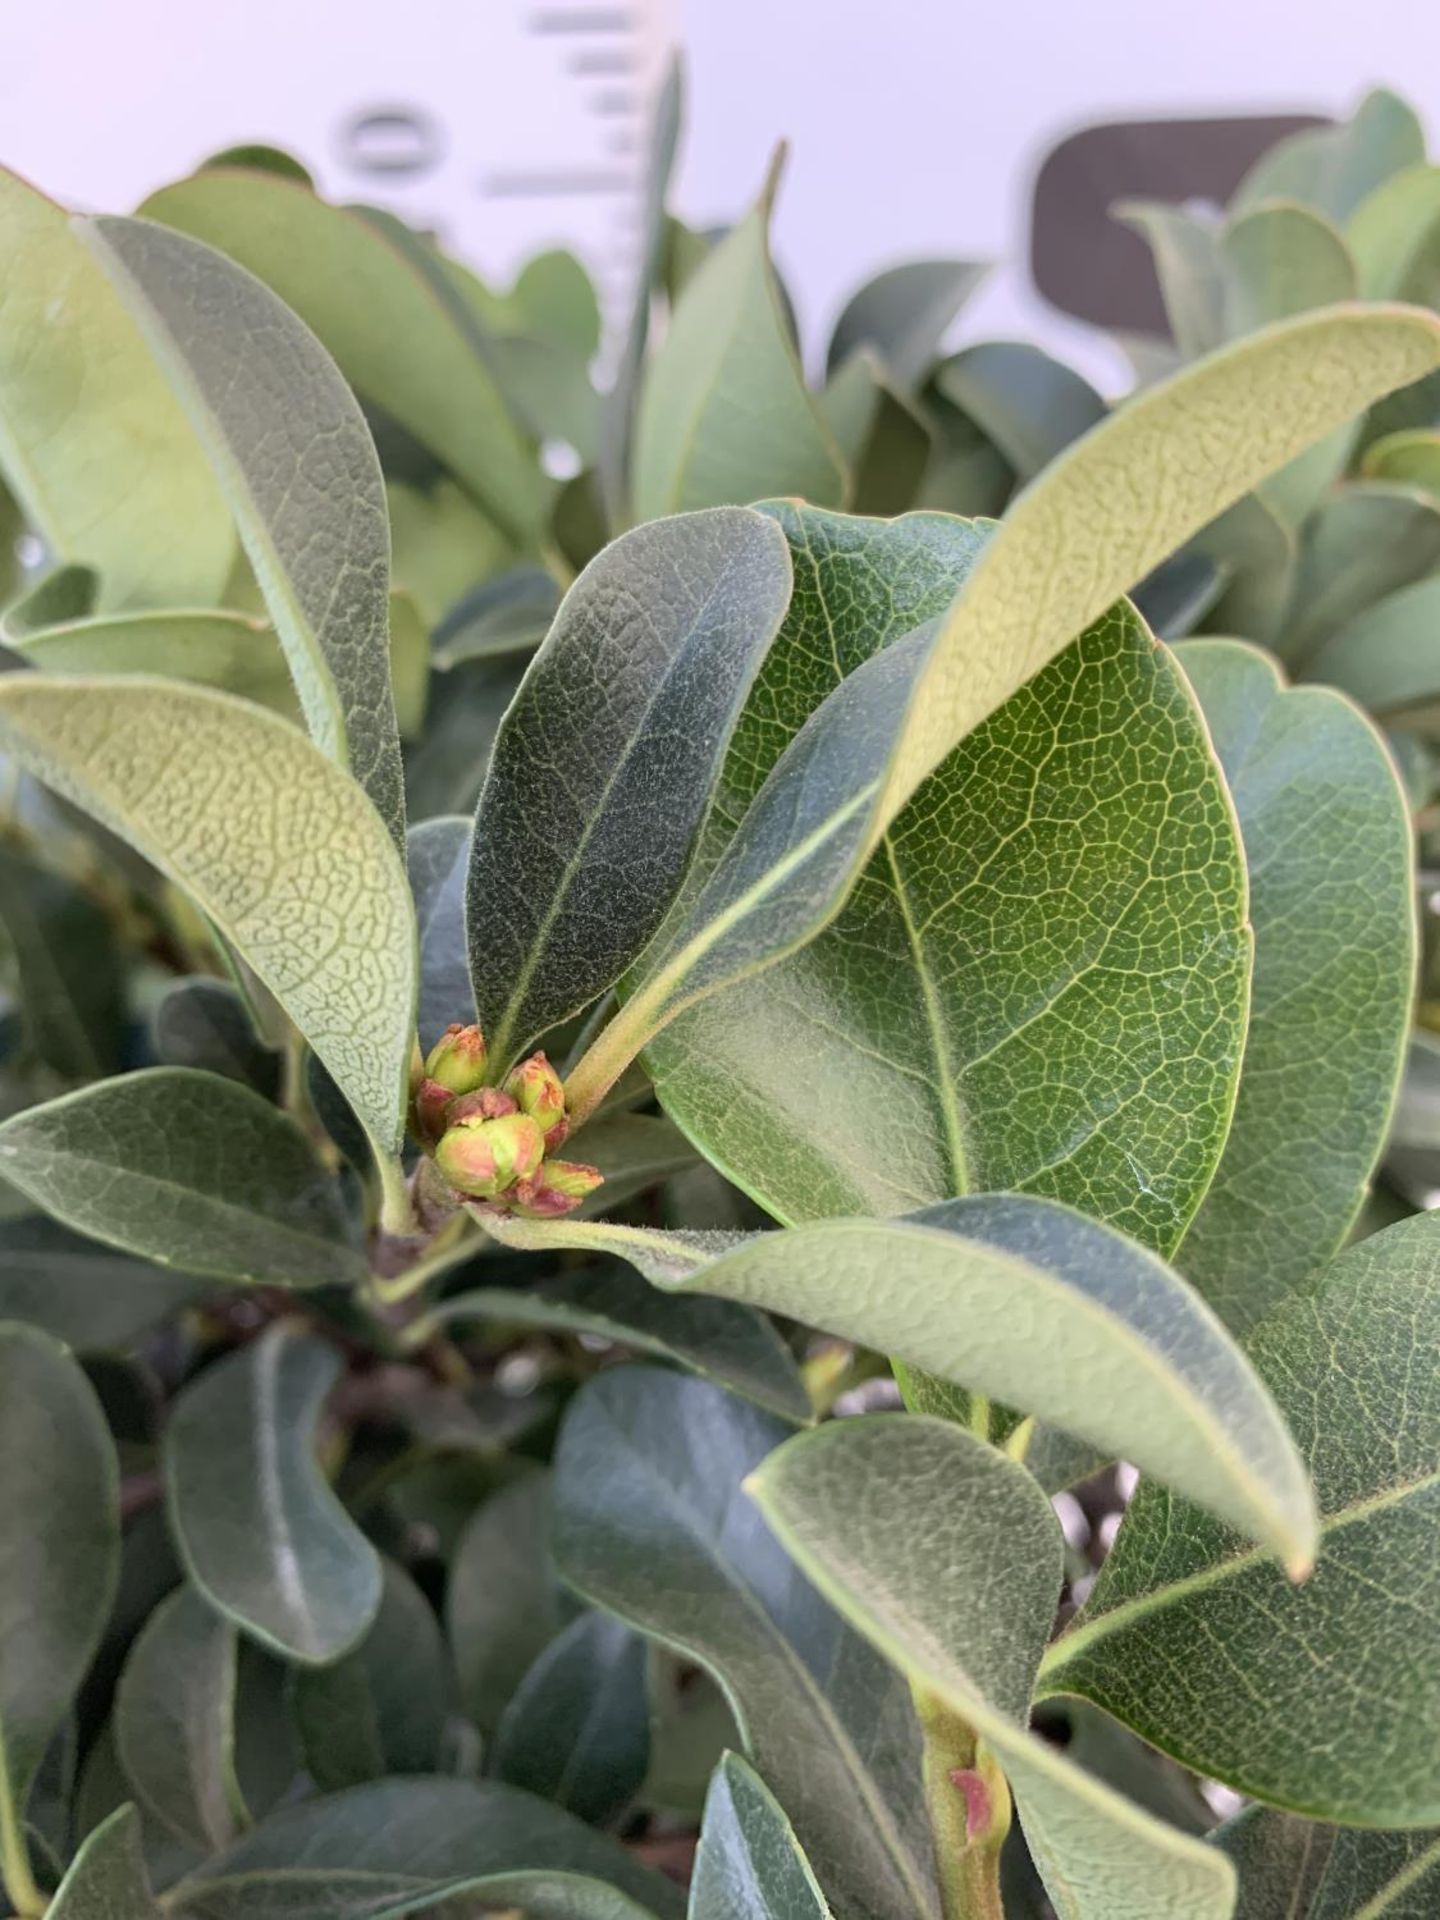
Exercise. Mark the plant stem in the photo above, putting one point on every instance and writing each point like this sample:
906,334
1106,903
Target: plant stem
968,1802
15,1874
397,1210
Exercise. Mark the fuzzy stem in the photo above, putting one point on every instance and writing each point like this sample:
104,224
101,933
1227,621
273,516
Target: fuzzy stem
397,1210
15,1874
968,1802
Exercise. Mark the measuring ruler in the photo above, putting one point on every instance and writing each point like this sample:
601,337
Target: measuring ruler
505,126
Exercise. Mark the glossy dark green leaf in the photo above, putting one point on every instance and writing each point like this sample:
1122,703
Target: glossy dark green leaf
437,858
72,988
1327,840
1038,982
96,447
503,1603
1334,168
380,1709
175,1722
961,1289
294,458
735,1345
748,1865
277,845
903,314
395,336
83,1293
61,1554
187,1169
262,1534
205,1024
107,1879
649,1473
724,416
1292,1869
380,1840
955,1581
577,1729
1341,1685
603,766
1030,405
509,614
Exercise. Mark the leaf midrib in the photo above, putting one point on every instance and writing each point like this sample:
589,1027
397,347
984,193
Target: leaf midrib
809,1687
1085,1634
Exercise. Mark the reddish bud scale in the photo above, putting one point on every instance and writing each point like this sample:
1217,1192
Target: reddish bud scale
557,1189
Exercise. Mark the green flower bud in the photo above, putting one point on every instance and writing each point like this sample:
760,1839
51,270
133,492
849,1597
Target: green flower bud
458,1058
536,1088
483,1158
558,1188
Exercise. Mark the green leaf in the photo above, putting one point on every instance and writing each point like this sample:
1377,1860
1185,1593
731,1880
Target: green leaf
377,1840
648,1474
205,1025
81,1292
503,1604
748,1865
1408,459
1280,260
1327,841
175,1722
1385,655
67,592
398,337
617,418
999,1004
72,986
903,314
1294,1869
960,1291
886,443
509,614
1341,1685
732,1344
1073,542
107,1879
1394,235
294,459
92,442
275,844
382,1708
262,1534
537,1895
947,1557
1186,251
633,1151
1030,405
61,1561
603,766
1334,168
577,1728
225,650
724,416
1363,543
1068,547
437,859
187,1169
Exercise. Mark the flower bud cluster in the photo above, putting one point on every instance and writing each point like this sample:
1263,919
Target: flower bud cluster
496,1143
